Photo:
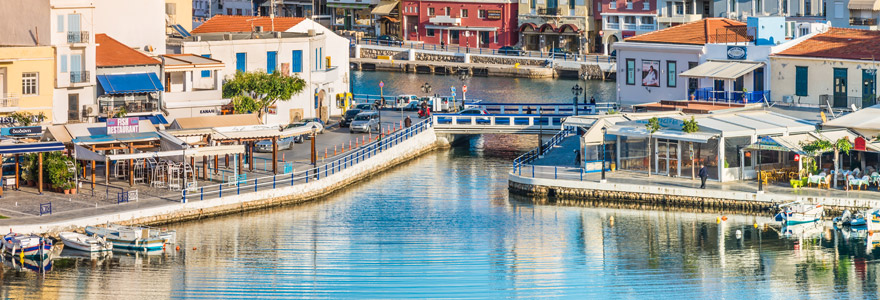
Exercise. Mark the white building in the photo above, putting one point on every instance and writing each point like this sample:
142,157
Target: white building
139,24
297,47
192,86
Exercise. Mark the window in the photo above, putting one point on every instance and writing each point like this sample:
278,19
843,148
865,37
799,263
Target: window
732,5
679,8
63,64
613,19
630,71
229,11
647,5
171,8
800,81
808,8
29,84
241,62
464,13
571,4
296,61
785,6
206,73
671,73
481,14
598,7
496,37
430,11
838,9
271,61
629,19
612,4
647,20
532,3
238,11
446,11
430,32
629,4
60,23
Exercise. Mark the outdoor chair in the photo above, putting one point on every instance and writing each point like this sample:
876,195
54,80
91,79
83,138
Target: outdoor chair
826,182
875,179
858,182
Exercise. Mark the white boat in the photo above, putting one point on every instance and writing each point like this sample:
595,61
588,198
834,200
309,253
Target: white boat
27,246
128,238
170,236
84,242
799,213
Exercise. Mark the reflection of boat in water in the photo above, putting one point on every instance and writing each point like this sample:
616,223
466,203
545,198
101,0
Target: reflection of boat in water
27,264
803,230
72,253
133,238
856,219
798,213
139,252
85,243
27,246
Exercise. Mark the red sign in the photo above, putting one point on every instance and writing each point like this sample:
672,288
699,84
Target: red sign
859,144
381,84
797,157
464,88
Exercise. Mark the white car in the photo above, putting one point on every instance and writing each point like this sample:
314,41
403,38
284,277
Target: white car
365,122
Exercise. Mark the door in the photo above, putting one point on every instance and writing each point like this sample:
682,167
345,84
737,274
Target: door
839,87
869,88
662,157
73,29
73,107
453,35
2,82
484,39
76,73
552,4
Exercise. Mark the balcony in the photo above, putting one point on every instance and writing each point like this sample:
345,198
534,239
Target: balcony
612,26
862,21
647,27
76,37
8,102
325,75
550,11
142,105
630,26
679,19
710,94
79,77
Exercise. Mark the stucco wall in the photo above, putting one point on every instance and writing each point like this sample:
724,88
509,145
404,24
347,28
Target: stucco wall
136,23
29,59
24,22
640,52
820,78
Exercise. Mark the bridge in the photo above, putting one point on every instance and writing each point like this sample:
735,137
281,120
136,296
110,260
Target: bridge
513,118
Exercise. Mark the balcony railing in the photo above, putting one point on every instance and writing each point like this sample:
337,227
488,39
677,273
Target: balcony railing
628,26
709,94
77,36
8,102
647,27
612,26
550,11
862,21
108,106
79,76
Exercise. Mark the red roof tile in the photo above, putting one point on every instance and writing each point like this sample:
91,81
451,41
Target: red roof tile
111,53
695,33
840,43
223,23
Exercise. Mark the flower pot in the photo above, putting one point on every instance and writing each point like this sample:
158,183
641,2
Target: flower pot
66,192
73,191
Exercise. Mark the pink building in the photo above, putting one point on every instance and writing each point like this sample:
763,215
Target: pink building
476,24
625,18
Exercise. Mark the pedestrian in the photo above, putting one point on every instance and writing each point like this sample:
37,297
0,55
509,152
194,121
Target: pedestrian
577,157
443,45
704,174
592,100
407,122
528,110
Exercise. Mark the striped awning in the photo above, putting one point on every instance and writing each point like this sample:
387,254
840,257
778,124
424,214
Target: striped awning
31,148
386,6
873,5
730,70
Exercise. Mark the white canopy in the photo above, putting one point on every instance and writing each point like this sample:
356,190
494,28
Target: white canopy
192,152
722,69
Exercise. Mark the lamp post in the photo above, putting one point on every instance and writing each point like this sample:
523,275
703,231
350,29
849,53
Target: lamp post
604,132
540,133
760,182
463,75
576,91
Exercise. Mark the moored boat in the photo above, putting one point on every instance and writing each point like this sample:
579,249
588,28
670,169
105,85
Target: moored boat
128,238
799,213
27,246
84,242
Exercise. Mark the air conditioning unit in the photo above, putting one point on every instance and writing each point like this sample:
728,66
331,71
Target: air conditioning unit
90,110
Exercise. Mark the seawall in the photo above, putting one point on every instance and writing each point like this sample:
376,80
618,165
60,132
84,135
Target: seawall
422,143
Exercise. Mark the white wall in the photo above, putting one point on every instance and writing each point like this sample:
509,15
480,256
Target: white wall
820,75
63,88
135,23
637,93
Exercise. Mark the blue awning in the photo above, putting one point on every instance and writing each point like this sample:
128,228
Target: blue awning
130,83
31,148
155,119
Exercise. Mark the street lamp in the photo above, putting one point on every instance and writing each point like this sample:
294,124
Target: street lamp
576,91
604,132
463,75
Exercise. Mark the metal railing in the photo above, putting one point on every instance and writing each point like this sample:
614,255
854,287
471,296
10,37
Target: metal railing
550,11
863,21
522,165
365,152
79,76
77,36
709,94
533,154
8,100
452,49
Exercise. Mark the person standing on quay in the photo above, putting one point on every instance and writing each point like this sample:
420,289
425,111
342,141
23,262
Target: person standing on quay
407,122
704,174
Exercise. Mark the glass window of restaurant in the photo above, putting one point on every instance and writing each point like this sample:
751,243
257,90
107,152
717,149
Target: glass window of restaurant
634,153
707,153
732,147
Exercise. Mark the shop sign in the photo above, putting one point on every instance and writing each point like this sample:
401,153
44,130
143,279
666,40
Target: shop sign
859,144
736,52
494,15
21,130
122,125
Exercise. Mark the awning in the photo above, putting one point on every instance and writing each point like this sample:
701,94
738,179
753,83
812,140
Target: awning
722,69
348,5
439,27
386,6
594,135
116,138
678,135
31,148
130,83
59,133
864,5
81,153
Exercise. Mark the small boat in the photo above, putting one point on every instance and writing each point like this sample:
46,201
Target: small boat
84,242
850,219
798,213
128,238
170,236
27,246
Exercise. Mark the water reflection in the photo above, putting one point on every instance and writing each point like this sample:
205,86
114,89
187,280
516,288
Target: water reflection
443,225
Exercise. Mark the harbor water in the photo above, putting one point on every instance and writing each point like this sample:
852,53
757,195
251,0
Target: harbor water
443,225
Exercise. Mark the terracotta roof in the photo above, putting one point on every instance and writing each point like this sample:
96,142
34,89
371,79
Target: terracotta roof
700,32
840,43
223,23
111,53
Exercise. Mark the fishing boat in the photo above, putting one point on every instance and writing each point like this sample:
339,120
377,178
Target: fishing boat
84,242
27,246
799,213
128,238
170,236
856,219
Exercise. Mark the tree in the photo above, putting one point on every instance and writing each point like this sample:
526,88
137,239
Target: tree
652,126
26,118
817,147
691,126
257,91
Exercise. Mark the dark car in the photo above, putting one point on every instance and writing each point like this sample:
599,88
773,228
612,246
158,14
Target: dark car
511,50
349,115
389,40
561,53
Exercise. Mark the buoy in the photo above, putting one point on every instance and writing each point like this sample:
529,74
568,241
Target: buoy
611,219
194,248
717,219
739,234
723,218
756,224
177,248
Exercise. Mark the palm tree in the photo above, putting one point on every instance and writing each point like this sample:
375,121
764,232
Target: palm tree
652,126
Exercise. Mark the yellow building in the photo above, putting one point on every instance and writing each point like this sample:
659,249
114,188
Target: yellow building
27,81
179,12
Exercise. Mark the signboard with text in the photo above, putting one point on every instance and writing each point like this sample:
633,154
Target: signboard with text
21,130
122,125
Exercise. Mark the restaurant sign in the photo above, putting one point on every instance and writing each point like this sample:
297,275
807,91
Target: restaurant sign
21,130
122,125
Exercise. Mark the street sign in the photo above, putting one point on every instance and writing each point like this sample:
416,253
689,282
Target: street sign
381,84
464,89
452,88
453,94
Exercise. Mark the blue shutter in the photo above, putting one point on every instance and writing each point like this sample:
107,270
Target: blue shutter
320,58
73,29
800,79
75,63
296,61
63,63
315,66
206,73
240,62
271,61
60,23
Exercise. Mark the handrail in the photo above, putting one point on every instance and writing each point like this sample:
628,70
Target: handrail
316,173
533,154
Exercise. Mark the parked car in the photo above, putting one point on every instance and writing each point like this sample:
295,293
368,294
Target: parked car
561,53
364,106
365,122
389,40
511,50
404,100
283,144
413,105
348,117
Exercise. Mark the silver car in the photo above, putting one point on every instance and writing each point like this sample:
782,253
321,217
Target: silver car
365,122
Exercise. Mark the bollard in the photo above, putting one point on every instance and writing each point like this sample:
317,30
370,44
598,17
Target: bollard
533,171
221,191
307,176
255,184
292,177
184,199
555,173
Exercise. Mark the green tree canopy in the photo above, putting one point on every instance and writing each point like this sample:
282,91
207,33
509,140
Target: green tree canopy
653,125
690,126
257,91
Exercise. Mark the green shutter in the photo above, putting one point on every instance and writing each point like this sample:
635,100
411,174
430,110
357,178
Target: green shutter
800,81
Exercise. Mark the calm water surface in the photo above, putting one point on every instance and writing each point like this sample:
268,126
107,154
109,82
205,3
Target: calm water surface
443,225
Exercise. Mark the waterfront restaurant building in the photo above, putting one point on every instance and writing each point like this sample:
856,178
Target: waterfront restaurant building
127,79
476,24
718,144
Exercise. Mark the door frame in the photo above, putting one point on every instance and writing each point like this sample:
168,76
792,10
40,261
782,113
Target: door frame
839,87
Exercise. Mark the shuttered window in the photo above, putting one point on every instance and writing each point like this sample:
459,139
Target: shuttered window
206,73
296,64
800,79
240,62
271,61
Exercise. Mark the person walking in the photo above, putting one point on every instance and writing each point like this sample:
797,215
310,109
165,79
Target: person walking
577,157
407,122
704,174
443,45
